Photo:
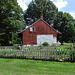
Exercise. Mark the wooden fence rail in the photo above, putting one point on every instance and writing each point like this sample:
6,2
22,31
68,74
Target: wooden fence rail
44,54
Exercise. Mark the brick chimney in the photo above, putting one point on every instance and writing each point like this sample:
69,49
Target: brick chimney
41,16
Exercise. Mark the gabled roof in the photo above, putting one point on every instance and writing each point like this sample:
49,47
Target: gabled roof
45,22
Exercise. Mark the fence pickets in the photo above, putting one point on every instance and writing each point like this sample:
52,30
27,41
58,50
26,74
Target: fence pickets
46,53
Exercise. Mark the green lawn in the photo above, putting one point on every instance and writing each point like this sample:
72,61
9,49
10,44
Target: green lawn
35,67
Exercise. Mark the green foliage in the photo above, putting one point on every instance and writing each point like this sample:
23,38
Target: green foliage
11,20
60,52
40,7
11,43
72,56
69,47
65,24
40,47
33,67
45,44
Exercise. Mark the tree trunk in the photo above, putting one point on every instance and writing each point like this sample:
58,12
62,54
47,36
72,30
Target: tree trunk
61,42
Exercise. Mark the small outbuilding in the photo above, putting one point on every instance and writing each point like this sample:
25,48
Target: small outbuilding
38,33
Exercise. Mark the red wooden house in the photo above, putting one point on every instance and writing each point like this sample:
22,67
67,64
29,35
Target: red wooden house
38,33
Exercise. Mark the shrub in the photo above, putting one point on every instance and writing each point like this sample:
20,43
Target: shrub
69,47
45,44
40,47
60,52
11,43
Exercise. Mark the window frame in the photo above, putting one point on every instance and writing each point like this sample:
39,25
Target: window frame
32,29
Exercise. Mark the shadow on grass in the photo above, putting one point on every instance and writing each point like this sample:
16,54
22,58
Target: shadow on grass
24,57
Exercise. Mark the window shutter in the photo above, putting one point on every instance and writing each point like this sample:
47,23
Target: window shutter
31,29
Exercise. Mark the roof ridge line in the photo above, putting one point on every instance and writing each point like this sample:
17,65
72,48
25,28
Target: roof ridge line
31,25
45,22
51,26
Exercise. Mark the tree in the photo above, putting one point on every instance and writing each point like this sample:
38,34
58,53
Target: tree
11,20
65,24
38,7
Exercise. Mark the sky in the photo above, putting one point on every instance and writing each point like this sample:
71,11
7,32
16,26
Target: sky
62,5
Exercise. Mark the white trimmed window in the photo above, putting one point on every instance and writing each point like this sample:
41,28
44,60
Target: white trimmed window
32,29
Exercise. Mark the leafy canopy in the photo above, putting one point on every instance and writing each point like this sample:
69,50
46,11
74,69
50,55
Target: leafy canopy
38,7
11,20
65,23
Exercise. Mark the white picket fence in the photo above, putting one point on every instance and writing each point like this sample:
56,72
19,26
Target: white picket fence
44,54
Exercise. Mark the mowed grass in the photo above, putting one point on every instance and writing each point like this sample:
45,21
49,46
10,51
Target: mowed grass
35,67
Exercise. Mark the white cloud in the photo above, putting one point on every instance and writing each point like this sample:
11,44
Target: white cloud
27,1
23,3
60,3
73,14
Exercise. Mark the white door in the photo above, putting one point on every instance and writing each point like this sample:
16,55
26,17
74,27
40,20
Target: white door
44,38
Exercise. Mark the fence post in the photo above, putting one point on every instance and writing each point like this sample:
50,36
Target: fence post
72,54
59,54
54,54
38,53
69,55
